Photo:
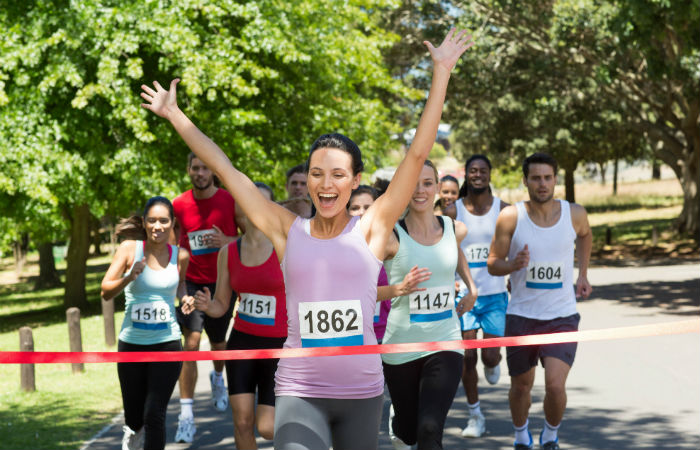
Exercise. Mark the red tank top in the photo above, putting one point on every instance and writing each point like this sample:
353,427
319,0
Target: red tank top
262,307
197,218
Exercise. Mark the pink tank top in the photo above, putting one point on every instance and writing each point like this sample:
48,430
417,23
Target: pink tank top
331,289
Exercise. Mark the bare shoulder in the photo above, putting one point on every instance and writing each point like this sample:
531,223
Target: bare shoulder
183,254
504,204
578,212
460,230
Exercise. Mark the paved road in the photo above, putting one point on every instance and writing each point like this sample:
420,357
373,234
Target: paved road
639,393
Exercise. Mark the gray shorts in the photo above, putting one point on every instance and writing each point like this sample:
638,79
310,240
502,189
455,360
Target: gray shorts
523,358
305,423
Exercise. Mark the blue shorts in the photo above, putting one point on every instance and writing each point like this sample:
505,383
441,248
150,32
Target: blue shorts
489,314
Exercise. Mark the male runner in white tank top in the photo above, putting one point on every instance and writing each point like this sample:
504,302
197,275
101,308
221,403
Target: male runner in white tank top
534,243
478,209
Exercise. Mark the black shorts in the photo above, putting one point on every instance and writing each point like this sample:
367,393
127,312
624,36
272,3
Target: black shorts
523,358
245,375
216,328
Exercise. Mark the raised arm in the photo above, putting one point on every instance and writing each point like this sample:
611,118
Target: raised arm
272,219
378,221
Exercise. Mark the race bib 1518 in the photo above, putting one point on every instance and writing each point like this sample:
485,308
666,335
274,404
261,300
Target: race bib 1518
151,315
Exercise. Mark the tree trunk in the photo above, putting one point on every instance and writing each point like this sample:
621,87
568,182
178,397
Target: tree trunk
76,259
20,249
95,235
48,275
655,169
603,166
615,176
569,182
689,220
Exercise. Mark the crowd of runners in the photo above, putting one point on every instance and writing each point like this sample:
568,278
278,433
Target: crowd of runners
341,264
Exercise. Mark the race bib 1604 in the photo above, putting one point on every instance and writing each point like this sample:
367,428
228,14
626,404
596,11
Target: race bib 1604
331,323
542,275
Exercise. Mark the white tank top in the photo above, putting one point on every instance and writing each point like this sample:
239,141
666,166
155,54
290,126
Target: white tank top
544,290
476,246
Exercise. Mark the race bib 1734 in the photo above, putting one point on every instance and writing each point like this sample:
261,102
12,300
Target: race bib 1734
331,323
477,254
433,304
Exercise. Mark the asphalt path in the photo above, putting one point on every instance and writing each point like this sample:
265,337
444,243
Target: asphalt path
641,393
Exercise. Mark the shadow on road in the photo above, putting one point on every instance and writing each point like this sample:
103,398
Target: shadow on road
681,298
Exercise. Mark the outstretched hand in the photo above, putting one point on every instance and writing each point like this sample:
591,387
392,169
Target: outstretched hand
160,101
452,47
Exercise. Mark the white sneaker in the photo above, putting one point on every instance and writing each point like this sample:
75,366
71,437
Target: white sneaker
492,374
475,427
185,429
219,394
130,440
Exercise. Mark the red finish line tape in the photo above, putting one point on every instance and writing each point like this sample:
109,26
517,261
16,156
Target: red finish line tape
657,329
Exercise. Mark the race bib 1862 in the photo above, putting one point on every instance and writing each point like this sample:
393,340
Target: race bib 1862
331,323
257,309
477,254
435,303
151,315
543,275
198,244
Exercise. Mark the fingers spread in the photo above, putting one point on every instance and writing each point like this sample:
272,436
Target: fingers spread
148,90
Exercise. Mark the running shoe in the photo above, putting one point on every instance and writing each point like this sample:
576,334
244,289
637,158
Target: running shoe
551,445
492,374
519,446
219,394
476,426
185,429
131,438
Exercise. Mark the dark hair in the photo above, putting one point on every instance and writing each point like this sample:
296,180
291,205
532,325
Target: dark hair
341,142
132,227
364,189
262,185
449,178
430,164
299,168
381,185
539,158
464,190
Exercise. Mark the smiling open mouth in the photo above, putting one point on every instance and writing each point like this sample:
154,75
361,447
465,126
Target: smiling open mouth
327,200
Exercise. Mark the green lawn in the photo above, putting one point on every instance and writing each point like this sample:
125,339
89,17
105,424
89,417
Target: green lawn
66,409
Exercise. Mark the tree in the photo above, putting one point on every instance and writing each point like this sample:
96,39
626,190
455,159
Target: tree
263,78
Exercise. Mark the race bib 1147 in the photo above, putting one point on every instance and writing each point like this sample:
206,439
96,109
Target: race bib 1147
544,275
331,323
433,304
257,309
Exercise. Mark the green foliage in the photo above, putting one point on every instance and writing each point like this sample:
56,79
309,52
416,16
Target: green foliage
438,152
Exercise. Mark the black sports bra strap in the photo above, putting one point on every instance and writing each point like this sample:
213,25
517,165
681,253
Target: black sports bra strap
238,247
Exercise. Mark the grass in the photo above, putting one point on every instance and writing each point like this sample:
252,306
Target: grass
66,409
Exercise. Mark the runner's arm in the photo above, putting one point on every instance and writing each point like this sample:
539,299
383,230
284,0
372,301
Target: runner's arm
114,282
222,296
183,260
272,219
380,218
498,264
584,243
467,302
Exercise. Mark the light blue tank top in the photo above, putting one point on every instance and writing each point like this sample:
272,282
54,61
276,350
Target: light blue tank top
429,315
149,316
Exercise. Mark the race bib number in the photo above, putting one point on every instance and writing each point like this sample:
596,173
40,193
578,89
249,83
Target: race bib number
377,310
544,275
330,324
257,309
477,254
151,315
198,244
433,304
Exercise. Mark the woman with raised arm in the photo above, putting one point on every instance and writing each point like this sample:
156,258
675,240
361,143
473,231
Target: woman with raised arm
250,267
151,272
331,265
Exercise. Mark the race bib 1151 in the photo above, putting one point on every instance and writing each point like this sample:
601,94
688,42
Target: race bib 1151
331,323
257,309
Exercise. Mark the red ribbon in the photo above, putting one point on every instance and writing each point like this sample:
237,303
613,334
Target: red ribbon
657,329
